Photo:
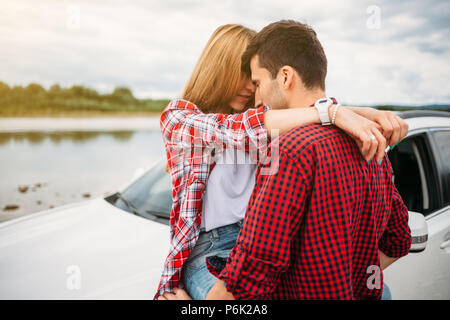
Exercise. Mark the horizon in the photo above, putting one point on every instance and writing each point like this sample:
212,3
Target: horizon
437,104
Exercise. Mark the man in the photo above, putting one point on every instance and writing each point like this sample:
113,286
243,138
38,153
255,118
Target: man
326,222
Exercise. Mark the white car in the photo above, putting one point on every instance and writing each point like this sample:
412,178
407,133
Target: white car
115,247
95,249
421,164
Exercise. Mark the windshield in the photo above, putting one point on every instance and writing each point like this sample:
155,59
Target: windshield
150,196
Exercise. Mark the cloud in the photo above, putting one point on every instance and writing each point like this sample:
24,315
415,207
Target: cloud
152,46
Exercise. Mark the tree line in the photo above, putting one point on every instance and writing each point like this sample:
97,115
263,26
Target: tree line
35,100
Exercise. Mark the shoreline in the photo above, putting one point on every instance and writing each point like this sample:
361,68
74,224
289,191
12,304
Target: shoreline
79,123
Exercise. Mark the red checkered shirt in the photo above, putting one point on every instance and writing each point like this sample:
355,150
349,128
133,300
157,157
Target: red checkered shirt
313,228
190,137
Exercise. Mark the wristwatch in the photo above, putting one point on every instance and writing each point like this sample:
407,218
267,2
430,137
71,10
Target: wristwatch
322,106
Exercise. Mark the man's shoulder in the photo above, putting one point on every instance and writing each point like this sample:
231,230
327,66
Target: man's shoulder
306,136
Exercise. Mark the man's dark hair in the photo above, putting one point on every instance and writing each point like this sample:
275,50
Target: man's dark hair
290,43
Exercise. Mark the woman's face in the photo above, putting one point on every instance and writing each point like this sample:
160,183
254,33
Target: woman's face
240,101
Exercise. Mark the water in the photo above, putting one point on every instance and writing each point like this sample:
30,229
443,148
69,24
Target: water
41,170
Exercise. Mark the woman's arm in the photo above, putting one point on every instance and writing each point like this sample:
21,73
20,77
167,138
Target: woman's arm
392,126
365,132
182,123
280,121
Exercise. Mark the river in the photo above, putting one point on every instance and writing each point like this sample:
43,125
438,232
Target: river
45,163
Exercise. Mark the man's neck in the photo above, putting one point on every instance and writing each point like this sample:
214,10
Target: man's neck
304,99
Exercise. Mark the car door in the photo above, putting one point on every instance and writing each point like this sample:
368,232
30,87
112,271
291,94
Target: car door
421,174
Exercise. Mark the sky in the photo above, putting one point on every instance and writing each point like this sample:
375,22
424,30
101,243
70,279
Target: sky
379,51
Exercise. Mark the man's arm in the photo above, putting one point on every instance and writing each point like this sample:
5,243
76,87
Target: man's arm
396,239
385,261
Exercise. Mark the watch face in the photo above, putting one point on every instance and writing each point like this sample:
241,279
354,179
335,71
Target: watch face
327,101
322,106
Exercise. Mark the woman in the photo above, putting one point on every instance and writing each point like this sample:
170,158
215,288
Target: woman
201,132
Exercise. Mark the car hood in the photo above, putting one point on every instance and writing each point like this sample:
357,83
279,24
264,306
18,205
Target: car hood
88,250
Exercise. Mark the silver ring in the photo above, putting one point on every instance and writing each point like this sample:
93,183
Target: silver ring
372,137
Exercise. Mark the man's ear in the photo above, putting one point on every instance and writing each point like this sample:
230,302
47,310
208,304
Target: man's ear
286,76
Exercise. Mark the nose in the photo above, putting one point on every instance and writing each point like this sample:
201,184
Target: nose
249,85
258,99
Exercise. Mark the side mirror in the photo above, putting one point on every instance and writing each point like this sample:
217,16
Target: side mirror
419,231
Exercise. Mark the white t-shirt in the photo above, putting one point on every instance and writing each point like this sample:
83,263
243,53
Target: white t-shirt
227,193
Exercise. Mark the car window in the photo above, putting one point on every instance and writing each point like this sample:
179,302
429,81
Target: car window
414,174
150,196
442,139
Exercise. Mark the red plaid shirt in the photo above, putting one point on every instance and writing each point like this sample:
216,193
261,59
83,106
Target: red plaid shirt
190,137
313,228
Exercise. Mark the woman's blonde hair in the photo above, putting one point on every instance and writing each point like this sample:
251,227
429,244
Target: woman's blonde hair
218,75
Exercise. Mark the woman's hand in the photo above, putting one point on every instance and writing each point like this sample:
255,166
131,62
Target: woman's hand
178,294
365,132
392,126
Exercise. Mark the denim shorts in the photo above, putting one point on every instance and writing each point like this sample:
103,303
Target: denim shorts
386,295
217,242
